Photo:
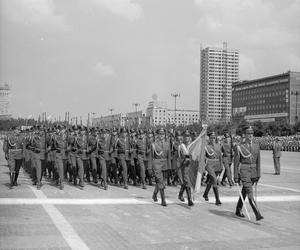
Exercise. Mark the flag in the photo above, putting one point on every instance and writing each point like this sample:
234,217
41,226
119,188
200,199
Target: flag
197,151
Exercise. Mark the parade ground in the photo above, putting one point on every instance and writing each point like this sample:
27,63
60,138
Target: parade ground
93,218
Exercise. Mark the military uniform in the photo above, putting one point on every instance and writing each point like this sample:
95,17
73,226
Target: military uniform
213,158
227,157
247,170
13,149
60,147
276,155
93,153
161,160
141,149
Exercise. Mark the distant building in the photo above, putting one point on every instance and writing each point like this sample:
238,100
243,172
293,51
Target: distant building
159,114
5,101
109,121
219,68
271,98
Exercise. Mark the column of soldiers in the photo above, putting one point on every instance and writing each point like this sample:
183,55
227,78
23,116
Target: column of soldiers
123,157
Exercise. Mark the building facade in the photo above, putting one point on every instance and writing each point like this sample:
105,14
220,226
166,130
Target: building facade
219,68
5,101
271,98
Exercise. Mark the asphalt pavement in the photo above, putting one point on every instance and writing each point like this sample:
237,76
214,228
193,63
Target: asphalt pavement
93,218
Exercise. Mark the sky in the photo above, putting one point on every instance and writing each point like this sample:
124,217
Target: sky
89,56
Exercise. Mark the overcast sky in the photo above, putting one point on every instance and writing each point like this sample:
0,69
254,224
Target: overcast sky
91,55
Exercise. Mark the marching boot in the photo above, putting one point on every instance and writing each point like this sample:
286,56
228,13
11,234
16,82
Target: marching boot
216,191
95,180
163,199
255,209
16,179
154,196
74,172
61,185
239,206
180,195
205,195
12,178
189,195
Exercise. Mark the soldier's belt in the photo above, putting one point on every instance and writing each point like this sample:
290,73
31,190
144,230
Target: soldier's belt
214,159
15,149
141,152
160,158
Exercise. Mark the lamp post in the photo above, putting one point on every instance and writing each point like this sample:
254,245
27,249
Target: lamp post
175,95
136,116
296,93
112,121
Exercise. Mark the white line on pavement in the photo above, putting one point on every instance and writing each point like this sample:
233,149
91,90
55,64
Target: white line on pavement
278,187
129,201
67,231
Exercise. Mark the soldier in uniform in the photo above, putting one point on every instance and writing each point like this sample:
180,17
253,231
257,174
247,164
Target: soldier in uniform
93,153
213,166
60,147
149,140
161,160
114,156
227,156
276,155
103,145
183,165
247,170
13,149
123,149
38,148
141,148
133,157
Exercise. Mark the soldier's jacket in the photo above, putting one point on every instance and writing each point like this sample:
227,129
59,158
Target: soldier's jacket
123,147
60,145
80,145
132,142
104,146
13,146
38,144
247,161
277,149
113,146
92,145
213,157
161,151
141,147
227,153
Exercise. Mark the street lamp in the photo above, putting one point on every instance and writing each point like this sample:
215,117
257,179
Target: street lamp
296,93
136,116
175,95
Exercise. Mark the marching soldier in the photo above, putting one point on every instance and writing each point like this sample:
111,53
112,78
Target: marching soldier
247,170
93,152
227,157
103,145
276,155
213,166
149,141
123,149
184,164
161,160
13,149
141,148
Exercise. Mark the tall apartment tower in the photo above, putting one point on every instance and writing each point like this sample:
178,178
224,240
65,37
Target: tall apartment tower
219,68
5,101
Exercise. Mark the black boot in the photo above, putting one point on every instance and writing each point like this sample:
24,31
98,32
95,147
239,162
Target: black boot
216,191
205,195
189,195
239,206
95,180
180,195
255,209
74,172
16,179
163,199
154,196
12,178
61,185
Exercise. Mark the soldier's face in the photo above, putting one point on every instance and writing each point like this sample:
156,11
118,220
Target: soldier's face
161,135
180,139
249,136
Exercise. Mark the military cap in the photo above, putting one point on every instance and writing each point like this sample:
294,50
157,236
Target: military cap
178,133
187,133
123,130
160,130
211,134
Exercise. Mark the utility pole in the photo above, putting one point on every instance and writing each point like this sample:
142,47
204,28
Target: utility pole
296,93
136,116
175,95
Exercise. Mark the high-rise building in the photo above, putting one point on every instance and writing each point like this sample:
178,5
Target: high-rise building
5,101
272,98
219,69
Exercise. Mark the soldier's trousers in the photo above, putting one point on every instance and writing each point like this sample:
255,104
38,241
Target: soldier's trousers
123,162
103,165
276,164
142,162
227,172
37,166
15,165
59,165
80,171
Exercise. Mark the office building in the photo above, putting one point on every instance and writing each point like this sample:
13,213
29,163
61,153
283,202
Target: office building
5,101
